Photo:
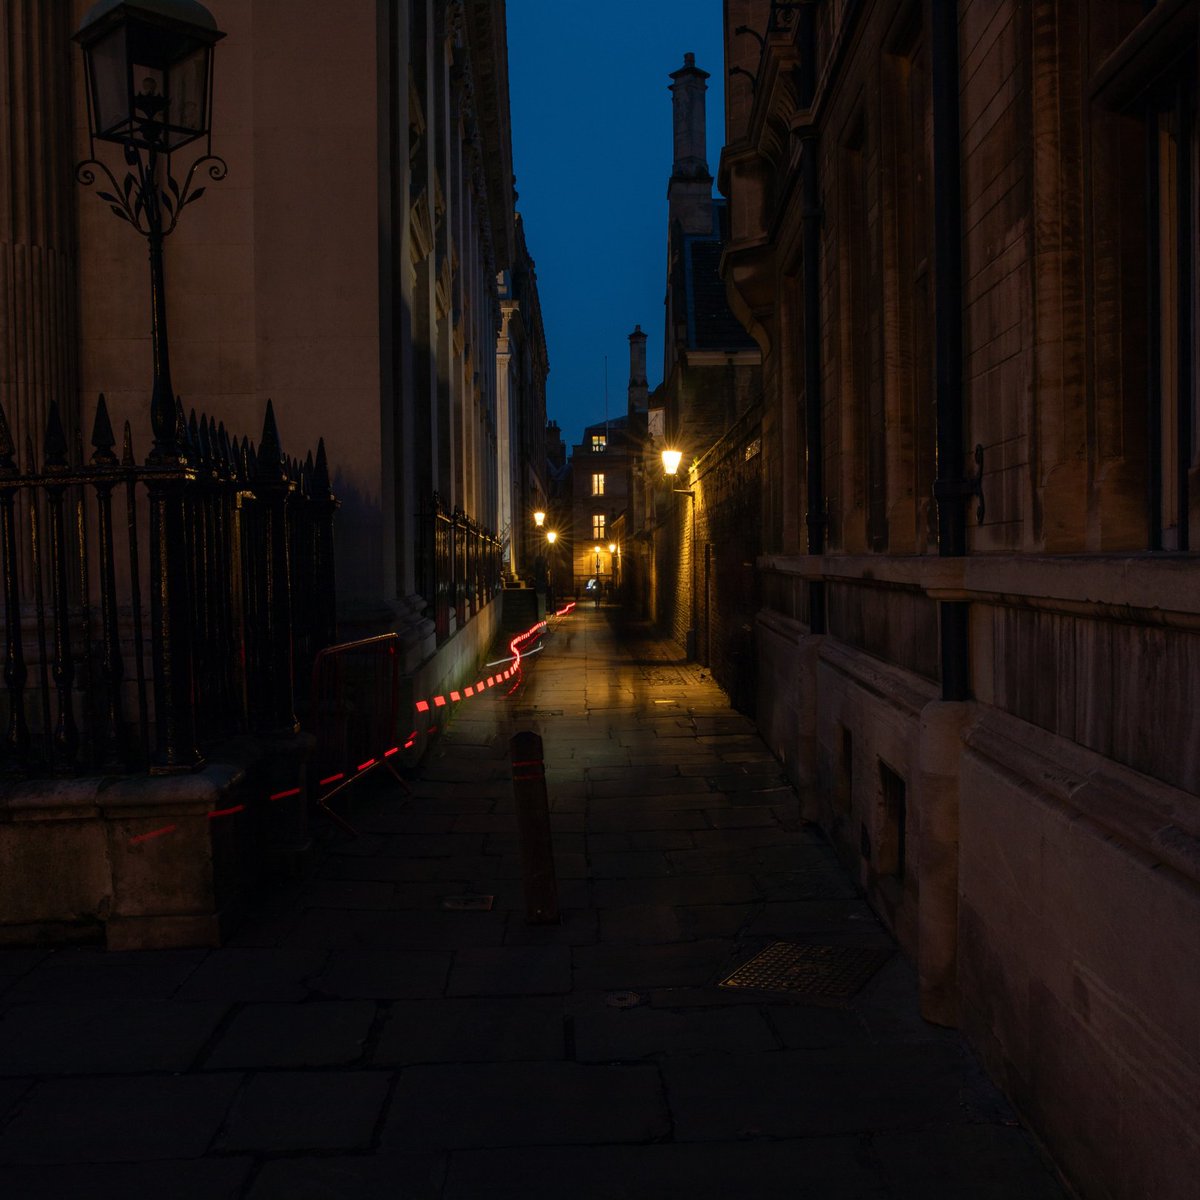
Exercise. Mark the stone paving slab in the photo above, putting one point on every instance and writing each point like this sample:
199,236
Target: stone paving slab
240,973
514,1104
604,1034
815,1092
306,1110
356,1039
99,975
126,1118
823,1169
383,974
184,1179
105,1037
352,1177
317,1034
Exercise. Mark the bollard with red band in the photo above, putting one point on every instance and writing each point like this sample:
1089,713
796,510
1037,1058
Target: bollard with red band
533,829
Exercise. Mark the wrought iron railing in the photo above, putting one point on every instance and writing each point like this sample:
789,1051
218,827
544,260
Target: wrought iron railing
460,566
232,544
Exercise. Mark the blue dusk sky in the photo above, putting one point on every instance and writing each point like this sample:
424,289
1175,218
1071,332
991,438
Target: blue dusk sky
591,128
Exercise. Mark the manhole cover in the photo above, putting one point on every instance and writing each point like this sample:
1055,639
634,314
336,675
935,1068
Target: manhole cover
831,972
623,999
468,903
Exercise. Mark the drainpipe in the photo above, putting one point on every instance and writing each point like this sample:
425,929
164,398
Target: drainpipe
950,489
814,450
939,740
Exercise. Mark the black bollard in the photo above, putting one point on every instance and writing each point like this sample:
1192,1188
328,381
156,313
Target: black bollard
533,829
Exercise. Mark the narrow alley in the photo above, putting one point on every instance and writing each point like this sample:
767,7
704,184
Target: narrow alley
359,1038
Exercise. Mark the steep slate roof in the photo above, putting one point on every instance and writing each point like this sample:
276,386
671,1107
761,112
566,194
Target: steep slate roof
711,324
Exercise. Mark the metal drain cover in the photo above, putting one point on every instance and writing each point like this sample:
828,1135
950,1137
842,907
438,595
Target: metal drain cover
830,972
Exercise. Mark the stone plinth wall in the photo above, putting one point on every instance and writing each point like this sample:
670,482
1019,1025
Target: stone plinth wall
144,862
1036,851
1079,978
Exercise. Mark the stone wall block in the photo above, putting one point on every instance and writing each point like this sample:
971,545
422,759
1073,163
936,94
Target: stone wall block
936,793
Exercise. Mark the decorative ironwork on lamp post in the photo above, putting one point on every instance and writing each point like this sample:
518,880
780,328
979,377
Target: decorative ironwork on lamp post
148,80
148,67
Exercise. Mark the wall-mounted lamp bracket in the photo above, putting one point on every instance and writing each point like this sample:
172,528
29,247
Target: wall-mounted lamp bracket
965,488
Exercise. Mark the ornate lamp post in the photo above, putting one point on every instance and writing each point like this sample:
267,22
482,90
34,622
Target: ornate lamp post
148,79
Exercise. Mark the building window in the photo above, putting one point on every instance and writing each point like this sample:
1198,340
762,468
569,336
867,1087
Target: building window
597,485
598,527
599,443
1150,80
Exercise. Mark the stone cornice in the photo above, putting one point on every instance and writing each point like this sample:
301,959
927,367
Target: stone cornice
1150,589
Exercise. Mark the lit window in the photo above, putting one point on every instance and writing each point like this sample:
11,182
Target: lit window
599,441
597,485
598,526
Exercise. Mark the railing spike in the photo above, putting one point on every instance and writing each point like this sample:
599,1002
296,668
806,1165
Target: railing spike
102,436
30,458
194,436
55,448
206,447
270,450
127,459
320,480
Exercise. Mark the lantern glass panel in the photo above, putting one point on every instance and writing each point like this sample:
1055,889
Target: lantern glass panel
149,100
110,84
188,97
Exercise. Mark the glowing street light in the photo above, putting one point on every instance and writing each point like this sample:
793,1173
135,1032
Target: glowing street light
539,518
671,460
551,536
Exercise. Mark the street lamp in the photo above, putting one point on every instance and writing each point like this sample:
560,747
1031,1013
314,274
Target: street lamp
551,537
148,70
539,518
671,460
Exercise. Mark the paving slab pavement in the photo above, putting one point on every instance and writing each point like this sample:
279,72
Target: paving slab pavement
358,1039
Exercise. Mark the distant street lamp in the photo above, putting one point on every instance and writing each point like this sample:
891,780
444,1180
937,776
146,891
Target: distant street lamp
551,537
671,460
148,69
539,518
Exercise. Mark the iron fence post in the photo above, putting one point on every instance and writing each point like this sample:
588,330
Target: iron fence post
275,710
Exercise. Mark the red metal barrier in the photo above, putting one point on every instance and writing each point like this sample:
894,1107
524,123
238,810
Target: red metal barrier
354,712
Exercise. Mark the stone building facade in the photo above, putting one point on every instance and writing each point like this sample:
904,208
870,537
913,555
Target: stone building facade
521,369
600,473
356,265
349,267
695,535
964,235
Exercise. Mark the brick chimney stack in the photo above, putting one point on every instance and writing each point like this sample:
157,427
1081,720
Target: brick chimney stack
689,193
639,390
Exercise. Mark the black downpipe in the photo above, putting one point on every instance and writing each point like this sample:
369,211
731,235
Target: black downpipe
950,488
814,449
1154,464
1185,290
